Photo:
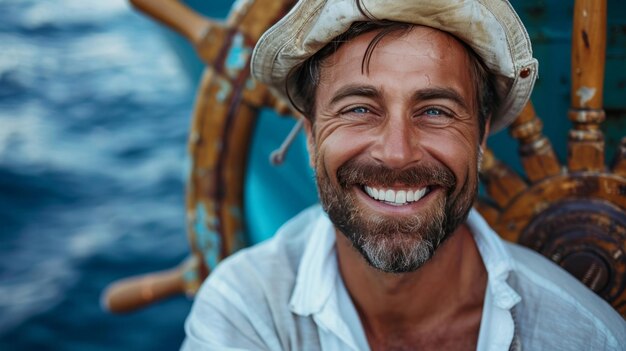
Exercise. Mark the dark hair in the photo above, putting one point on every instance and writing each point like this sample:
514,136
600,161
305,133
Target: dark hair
305,77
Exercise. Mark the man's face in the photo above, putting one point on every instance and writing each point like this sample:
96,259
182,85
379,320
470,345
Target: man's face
396,148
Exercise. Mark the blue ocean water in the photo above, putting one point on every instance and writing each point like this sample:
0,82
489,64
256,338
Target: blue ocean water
94,111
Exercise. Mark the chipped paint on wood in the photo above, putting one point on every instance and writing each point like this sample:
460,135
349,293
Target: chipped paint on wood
238,56
225,89
208,241
191,276
240,6
251,84
585,94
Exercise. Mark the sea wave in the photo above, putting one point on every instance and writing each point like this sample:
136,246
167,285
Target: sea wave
94,111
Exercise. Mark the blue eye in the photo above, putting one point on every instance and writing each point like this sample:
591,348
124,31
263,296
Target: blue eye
436,112
360,110
433,112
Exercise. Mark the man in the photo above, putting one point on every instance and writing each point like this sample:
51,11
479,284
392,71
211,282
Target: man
399,98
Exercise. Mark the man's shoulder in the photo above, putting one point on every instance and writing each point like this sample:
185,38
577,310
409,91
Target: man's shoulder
277,258
554,301
244,302
536,274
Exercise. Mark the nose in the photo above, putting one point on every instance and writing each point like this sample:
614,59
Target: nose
398,145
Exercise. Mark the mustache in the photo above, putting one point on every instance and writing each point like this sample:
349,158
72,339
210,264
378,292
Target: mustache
356,172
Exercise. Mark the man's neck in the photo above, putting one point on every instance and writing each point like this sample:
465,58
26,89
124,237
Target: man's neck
443,298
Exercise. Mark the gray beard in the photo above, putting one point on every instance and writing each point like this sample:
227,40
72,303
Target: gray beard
394,244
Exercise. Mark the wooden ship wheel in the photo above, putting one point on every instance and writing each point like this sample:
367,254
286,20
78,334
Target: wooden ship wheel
572,213
227,104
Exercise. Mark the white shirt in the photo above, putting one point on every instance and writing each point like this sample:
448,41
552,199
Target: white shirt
287,294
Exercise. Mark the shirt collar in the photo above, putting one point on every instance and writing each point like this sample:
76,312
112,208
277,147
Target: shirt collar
317,273
318,270
319,288
497,260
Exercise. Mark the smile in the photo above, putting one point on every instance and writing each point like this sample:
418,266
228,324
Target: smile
396,197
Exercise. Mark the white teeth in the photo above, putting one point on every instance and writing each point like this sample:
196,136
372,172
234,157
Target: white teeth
381,195
399,197
419,194
390,195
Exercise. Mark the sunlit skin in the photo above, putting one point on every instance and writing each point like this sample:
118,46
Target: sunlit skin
415,104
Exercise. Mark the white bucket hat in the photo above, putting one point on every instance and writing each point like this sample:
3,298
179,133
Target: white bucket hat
490,27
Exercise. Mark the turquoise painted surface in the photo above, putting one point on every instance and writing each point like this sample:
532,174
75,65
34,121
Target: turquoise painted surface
191,276
237,56
207,239
225,89
273,194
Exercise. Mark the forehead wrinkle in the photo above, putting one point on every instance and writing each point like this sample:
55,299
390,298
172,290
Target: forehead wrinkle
439,43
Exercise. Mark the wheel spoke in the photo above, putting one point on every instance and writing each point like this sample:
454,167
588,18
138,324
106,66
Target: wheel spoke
502,183
538,157
586,141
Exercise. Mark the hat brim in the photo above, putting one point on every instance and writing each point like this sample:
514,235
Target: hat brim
490,27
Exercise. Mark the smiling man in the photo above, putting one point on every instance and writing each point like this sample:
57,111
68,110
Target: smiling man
398,99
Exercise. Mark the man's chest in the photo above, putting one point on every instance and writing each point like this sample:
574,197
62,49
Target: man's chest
434,340
459,333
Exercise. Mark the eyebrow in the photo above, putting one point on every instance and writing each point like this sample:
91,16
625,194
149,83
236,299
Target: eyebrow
355,90
420,95
441,93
